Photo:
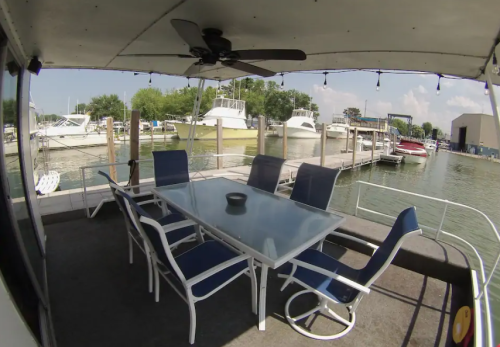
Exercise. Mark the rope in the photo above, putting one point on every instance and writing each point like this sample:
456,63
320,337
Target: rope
133,165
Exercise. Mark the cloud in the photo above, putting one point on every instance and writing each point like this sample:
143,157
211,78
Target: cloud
464,102
332,101
421,89
416,106
381,108
448,83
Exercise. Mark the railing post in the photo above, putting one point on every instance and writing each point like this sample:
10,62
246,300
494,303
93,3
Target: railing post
347,140
111,147
85,194
374,142
220,163
438,231
285,140
357,200
323,145
354,144
134,147
261,136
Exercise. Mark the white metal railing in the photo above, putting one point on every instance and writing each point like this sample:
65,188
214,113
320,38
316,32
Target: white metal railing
482,291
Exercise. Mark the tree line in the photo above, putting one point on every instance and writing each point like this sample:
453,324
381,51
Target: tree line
262,98
416,130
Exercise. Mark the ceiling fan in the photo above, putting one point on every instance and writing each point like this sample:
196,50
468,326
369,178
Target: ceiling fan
209,47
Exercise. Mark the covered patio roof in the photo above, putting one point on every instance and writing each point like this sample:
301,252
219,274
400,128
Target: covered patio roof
453,37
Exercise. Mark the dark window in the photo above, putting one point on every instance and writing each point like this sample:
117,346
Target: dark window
307,125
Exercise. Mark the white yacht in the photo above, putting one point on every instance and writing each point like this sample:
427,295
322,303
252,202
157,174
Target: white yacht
300,126
338,129
430,146
71,131
234,122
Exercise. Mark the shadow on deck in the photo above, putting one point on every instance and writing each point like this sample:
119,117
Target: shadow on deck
98,299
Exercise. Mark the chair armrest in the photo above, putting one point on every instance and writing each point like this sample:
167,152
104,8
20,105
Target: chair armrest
330,274
355,239
178,225
206,274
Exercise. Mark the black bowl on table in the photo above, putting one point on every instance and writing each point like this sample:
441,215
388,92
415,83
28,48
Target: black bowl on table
236,199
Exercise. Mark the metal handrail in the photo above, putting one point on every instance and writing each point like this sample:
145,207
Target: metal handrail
483,291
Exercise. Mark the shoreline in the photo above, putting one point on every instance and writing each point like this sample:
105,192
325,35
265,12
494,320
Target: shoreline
476,156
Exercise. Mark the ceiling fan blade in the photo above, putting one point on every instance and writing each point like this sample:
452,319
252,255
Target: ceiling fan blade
157,55
193,69
190,33
270,54
252,69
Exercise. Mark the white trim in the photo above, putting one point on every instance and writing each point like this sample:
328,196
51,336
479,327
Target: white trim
355,239
178,225
478,319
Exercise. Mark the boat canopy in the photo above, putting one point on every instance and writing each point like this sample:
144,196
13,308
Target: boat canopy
452,37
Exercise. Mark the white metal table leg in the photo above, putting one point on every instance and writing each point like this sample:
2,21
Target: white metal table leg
262,299
164,210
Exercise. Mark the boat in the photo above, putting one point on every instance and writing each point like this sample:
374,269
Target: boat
300,125
368,145
338,129
413,151
234,122
430,146
71,132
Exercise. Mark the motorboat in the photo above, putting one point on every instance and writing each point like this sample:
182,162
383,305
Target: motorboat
300,125
71,131
368,145
413,151
338,129
430,146
234,122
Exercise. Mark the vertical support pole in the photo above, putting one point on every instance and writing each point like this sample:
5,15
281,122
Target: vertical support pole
374,142
261,136
354,145
494,107
393,143
285,140
111,147
194,117
347,140
152,132
323,145
134,146
220,164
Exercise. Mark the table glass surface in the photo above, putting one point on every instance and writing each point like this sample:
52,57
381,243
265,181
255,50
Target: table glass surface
268,224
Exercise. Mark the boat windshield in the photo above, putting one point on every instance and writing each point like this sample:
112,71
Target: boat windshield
303,113
229,103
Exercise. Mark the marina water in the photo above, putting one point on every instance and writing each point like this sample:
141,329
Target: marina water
465,180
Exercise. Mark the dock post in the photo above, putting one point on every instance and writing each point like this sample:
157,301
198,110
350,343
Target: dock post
111,147
261,136
393,143
152,133
134,147
347,140
374,141
285,139
323,145
220,163
354,145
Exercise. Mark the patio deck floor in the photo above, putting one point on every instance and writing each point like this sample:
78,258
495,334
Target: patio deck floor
98,299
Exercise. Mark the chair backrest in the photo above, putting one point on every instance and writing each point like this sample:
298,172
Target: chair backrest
314,185
170,167
265,173
118,198
153,234
406,225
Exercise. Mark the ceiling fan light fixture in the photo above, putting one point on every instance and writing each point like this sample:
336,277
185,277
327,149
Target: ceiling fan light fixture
35,65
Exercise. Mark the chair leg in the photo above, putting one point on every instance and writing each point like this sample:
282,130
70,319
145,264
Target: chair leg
192,323
199,234
324,309
130,250
253,281
157,284
150,272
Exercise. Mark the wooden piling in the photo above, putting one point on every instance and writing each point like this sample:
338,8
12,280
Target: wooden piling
285,140
347,140
134,146
220,149
261,136
323,145
374,142
354,144
152,133
111,147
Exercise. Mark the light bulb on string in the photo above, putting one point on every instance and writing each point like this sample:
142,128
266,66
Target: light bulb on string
188,83
378,81
486,89
149,80
325,84
282,86
438,88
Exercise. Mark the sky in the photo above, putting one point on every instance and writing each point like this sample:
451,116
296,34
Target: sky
411,94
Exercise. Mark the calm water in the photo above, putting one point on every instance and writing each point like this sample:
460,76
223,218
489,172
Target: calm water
469,181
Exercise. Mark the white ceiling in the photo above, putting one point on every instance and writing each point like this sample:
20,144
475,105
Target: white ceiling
453,37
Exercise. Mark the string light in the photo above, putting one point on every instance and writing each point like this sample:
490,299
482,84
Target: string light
282,81
378,81
438,89
486,90
325,84
149,79
188,83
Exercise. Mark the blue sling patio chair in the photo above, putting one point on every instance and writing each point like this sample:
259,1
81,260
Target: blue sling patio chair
197,273
336,283
176,236
265,173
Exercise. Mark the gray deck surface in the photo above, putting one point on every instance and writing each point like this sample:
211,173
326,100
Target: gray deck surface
98,299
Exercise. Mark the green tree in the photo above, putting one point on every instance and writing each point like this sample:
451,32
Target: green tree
417,131
51,117
10,112
401,125
106,106
352,112
150,102
80,109
439,131
427,126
